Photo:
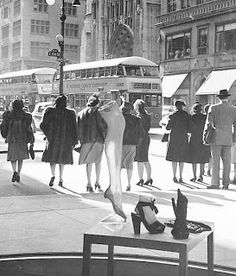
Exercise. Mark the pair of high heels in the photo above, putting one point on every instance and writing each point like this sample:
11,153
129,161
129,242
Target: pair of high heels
51,182
141,214
141,182
15,177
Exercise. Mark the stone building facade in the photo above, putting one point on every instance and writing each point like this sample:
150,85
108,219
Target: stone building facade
196,38
118,28
28,29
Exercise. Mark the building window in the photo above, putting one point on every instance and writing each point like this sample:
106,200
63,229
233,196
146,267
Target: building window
226,37
202,40
171,5
17,28
5,51
199,2
39,27
5,31
16,7
39,49
71,30
5,12
185,4
70,9
71,52
16,49
40,6
178,45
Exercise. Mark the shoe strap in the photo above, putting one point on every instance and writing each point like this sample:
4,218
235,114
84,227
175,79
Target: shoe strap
150,204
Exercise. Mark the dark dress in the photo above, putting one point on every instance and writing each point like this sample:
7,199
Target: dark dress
198,152
60,129
143,147
179,124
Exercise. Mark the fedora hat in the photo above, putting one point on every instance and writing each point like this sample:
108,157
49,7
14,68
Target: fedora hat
223,93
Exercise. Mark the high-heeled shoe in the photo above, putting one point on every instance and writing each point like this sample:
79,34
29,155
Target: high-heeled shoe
175,179
15,177
153,228
51,181
108,194
89,188
149,181
60,183
98,186
200,178
193,179
140,183
128,188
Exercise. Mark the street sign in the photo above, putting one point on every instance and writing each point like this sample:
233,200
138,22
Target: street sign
54,53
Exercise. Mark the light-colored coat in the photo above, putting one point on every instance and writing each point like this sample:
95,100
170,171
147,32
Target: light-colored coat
222,117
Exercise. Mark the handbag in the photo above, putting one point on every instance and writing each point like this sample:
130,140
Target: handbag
165,137
209,135
31,152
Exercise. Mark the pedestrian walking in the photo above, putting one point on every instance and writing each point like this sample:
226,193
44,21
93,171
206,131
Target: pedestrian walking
198,152
131,138
92,130
221,116
60,128
177,150
142,148
16,129
209,164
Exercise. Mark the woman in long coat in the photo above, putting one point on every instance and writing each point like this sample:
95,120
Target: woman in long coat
16,129
60,128
198,152
177,151
142,148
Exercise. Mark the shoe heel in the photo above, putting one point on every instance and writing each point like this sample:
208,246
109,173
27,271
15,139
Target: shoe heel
51,181
136,220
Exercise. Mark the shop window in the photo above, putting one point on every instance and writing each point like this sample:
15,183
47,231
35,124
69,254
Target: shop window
226,37
178,46
202,40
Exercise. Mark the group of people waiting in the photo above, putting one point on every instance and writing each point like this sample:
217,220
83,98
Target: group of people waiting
64,132
186,139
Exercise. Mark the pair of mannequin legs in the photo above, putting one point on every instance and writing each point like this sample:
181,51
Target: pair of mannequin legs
16,167
53,173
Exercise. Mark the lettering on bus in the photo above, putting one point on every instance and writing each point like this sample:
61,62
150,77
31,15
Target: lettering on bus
83,86
142,85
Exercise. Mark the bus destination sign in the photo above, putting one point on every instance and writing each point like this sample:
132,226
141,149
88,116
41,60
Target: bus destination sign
54,53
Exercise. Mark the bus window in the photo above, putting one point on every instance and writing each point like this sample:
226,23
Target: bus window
83,73
96,72
108,71
72,75
113,71
150,71
77,74
101,72
133,71
67,75
120,71
89,73
148,100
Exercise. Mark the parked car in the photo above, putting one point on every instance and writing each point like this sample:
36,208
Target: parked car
37,113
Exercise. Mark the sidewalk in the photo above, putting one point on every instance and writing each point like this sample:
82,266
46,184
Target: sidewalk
53,220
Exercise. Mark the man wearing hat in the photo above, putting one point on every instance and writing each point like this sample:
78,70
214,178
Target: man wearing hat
222,116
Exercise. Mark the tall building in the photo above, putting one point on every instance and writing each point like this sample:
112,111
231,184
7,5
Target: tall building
28,29
197,42
119,28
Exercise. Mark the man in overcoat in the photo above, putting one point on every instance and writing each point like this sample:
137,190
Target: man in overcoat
222,116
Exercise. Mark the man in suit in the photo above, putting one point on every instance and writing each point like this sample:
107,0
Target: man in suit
222,116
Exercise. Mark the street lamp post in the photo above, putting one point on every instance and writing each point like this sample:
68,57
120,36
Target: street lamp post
60,38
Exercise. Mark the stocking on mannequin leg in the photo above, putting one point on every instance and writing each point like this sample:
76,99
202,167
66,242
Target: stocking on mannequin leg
113,150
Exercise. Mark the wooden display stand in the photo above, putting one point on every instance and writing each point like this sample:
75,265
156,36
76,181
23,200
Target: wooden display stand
123,235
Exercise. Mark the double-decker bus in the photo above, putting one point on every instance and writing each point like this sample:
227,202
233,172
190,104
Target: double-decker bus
33,85
132,77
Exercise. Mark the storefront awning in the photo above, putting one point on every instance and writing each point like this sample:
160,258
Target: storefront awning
171,83
217,80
